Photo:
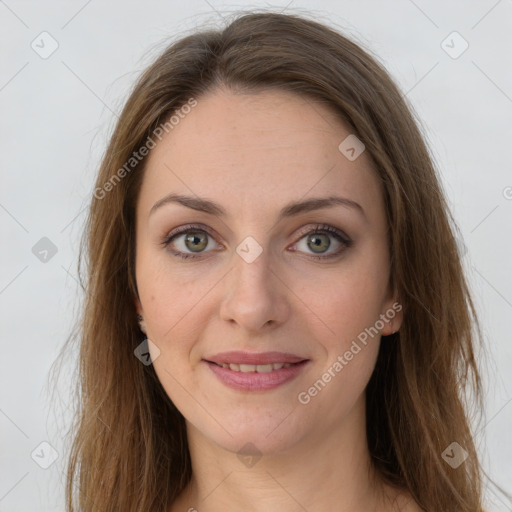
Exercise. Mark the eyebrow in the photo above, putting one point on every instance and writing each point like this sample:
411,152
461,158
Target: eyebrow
290,210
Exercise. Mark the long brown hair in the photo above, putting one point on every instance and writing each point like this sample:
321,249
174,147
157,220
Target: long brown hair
129,446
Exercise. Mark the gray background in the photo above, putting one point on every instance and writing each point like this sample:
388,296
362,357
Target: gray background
57,112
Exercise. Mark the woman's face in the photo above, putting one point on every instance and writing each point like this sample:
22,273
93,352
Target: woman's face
257,318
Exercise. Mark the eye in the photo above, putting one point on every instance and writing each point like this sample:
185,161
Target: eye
194,238
318,241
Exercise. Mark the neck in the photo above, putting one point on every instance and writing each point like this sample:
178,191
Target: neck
330,470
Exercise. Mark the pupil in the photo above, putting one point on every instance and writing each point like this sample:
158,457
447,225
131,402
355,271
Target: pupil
195,241
317,241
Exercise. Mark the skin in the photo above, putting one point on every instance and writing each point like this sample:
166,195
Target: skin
253,154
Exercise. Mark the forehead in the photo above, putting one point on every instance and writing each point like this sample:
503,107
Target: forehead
257,150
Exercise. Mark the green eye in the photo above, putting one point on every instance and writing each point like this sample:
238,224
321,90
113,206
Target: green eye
196,240
319,241
193,240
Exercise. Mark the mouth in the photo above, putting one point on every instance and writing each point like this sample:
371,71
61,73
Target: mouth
245,371
250,368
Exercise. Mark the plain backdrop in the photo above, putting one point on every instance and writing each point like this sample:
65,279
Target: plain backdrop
57,112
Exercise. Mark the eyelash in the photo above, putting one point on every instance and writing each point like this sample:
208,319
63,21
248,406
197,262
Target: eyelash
319,228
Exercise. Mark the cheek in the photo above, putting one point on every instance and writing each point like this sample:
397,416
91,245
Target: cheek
351,343
351,353
350,302
334,393
352,310
169,300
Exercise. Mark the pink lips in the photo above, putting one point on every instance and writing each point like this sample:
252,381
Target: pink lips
255,381
248,358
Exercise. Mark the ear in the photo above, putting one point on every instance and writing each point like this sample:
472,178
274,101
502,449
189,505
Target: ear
392,314
140,315
138,307
136,300
392,317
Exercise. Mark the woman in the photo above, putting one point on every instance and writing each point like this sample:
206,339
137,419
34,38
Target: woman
276,316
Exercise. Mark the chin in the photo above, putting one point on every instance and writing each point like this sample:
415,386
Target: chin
253,432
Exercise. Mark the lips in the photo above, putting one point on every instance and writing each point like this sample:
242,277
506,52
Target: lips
244,371
260,368
247,358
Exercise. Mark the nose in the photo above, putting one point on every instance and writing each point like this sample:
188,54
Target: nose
254,295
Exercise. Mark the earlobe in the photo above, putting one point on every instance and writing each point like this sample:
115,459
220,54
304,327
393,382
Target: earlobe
138,306
140,317
142,323
392,318
389,329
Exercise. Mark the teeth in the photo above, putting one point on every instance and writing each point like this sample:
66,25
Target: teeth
260,368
